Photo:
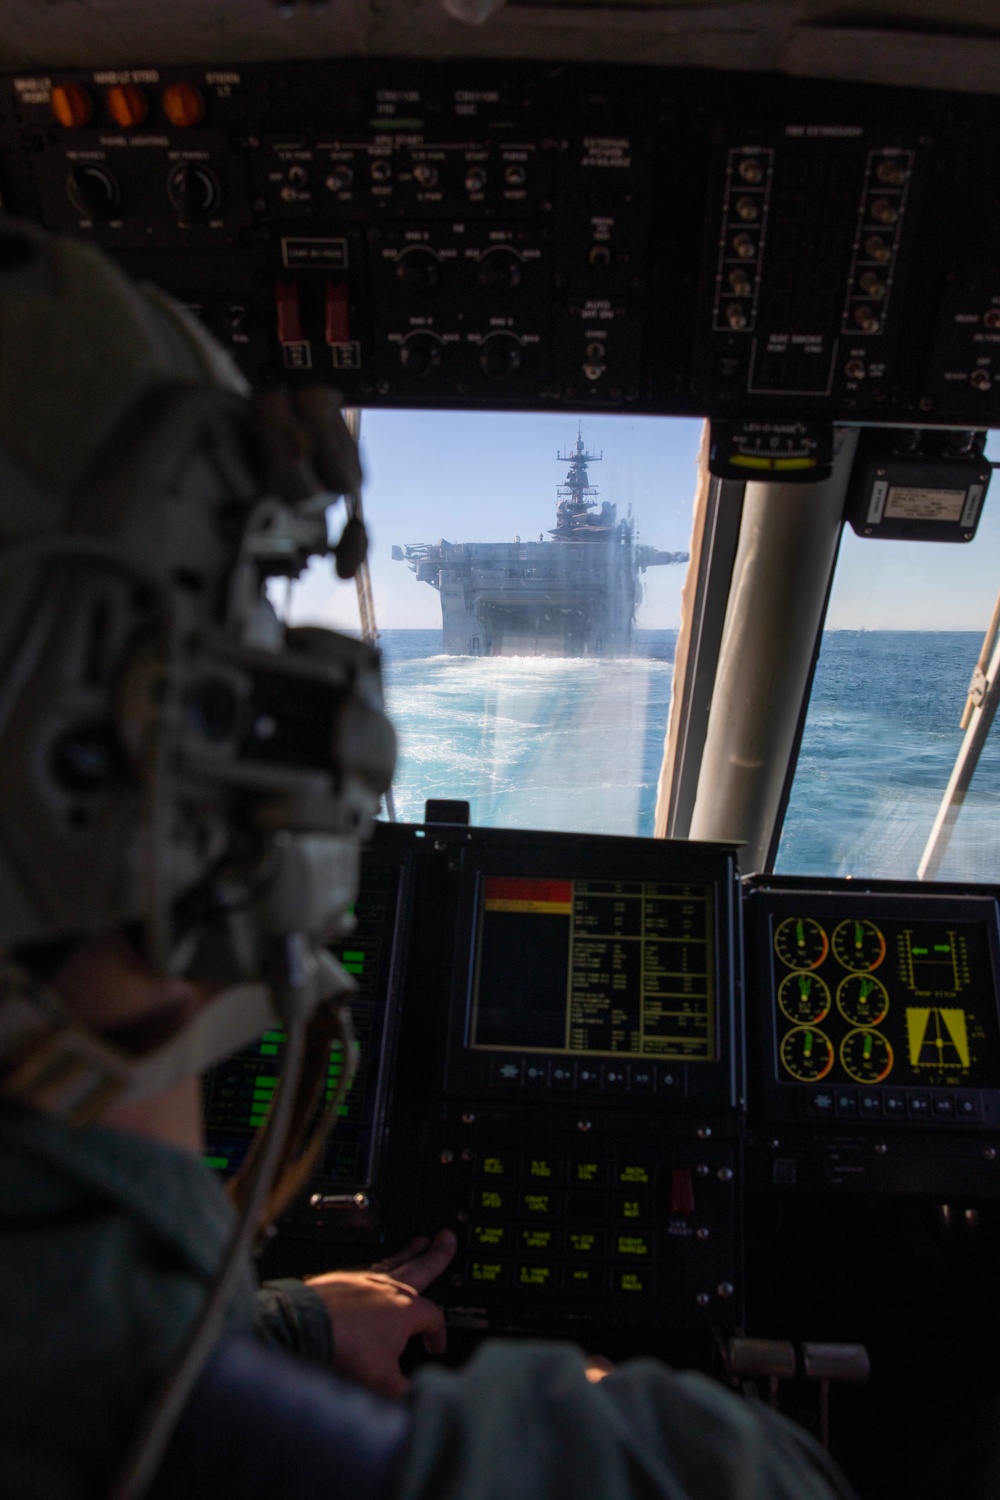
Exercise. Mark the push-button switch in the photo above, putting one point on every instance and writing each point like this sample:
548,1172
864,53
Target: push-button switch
633,1208
629,1173
633,1282
585,1243
492,1167
539,1205
490,1236
587,1173
534,1239
585,1281
633,1247
540,1169
535,1278
493,1201
486,1273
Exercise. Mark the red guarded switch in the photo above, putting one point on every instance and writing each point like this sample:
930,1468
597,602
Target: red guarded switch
286,297
681,1192
338,314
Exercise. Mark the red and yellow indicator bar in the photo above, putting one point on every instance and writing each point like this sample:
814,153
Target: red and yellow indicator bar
548,897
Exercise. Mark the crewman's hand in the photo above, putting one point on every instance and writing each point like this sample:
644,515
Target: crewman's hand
375,1313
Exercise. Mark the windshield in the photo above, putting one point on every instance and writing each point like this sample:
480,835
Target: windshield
903,634
527,572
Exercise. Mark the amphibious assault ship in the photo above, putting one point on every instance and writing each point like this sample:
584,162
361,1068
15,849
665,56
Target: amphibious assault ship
575,595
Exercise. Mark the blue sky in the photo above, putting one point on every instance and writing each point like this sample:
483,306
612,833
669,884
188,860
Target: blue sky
486,476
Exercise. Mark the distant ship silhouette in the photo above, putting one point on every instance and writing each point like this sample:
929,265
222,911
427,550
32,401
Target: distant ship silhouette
575,595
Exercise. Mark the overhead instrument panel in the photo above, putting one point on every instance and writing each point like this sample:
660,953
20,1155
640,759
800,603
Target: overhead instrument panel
811,236
525,235
872,1012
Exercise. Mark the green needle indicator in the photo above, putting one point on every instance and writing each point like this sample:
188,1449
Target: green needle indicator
805,985
859,935
866,1050
800,934
807,1044
866,989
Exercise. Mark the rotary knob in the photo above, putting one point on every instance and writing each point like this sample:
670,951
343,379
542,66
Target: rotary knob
193,189
500,356
93,191
420,354
500,270
418,270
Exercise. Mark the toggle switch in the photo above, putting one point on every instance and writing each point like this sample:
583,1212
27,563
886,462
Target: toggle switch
338,313
681,1192
286,296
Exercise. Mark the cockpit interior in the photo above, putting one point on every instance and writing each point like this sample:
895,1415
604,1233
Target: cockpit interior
677,948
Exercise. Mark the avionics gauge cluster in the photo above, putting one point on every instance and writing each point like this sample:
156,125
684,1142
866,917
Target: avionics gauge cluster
553,1031
531,235
875,1027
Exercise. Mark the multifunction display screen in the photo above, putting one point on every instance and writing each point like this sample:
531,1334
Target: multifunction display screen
595,968
884,1002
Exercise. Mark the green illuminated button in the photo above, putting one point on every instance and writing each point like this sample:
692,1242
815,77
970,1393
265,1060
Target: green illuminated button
540,1169
491,1201
539,1205
634,1283
218,1163
492,1167
633,1208
632,1245
489,1273
629,1174
536,1239
585,1242
268,1051
585,1281
587,1173
492,1235
538,1278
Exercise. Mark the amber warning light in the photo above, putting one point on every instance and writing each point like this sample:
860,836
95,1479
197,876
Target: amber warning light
126,104
71,105
183,104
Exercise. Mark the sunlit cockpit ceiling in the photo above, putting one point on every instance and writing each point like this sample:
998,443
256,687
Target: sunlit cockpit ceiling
936,43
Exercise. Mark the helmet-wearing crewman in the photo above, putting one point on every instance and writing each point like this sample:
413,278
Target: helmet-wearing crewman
185,784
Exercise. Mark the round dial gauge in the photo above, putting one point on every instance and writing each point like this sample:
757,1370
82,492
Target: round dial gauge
804,998
862,1000
801,943
807,1053
859,945
866,1056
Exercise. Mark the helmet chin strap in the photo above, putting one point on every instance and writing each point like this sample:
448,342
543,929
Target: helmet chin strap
49,1062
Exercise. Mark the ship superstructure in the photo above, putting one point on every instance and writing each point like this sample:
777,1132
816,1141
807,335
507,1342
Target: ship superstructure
574,595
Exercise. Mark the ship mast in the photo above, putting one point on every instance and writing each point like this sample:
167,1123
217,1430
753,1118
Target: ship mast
576,493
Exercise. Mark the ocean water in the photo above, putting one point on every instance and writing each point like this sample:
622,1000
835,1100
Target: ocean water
880,742
542,742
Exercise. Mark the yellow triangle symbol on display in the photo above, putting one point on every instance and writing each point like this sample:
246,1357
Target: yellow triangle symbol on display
930,1032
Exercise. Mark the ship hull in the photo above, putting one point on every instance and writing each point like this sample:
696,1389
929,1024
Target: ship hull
538,599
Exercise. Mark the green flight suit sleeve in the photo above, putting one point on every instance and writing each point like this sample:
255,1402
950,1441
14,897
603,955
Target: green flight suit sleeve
522,1420
289,1315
